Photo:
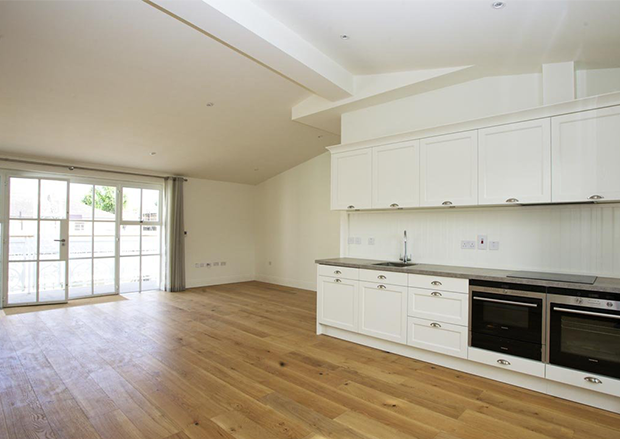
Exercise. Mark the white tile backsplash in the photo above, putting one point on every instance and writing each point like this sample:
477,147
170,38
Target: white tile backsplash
581,238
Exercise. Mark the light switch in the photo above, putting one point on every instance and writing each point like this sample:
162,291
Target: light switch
482,242
493,245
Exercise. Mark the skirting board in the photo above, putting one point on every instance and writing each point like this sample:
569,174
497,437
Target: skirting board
196,283
564,391
293,283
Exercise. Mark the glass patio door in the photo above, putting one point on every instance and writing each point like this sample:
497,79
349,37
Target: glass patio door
37,241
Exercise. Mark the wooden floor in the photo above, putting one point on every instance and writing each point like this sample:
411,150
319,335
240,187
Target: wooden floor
242,361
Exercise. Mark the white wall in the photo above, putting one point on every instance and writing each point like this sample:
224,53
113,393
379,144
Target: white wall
577,238
471,100
294,224
219,220
596,82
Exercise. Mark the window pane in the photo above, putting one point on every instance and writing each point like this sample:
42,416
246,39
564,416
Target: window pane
22,240
81,207
104,276
24,198
105,203
131,204
53,199
130,274
80,278
150,205
49,247
105,236
22,282
80,239
150,273
130,240
150,240
51,281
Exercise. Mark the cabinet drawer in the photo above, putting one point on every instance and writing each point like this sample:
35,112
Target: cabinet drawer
444,338
341,272
585,380
441,306
439,283
384,277
516,364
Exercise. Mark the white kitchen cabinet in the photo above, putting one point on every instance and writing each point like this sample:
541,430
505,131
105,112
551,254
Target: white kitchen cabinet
585,380
444,338
396,175
586,155
351,180
440,306
508,362
514,163
449,170
383,311
338,302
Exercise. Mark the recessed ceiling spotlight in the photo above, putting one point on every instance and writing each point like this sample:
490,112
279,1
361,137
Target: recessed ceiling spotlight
344,37
498,5
320,137
152,153
210,104
256,169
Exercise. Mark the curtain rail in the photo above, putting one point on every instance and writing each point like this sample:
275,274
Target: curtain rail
82,168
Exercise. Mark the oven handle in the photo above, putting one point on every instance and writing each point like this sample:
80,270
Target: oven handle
509,302
587,313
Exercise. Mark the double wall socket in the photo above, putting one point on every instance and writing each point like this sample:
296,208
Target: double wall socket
468,245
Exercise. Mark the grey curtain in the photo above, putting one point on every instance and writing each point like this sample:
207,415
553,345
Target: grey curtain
175,236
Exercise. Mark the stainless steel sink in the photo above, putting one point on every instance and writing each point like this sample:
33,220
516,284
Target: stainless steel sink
393,264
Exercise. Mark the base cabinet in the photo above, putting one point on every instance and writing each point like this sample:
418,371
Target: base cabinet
383,311
508,362
338,302
444,338
585,380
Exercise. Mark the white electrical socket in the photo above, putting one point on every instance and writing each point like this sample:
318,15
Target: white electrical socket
358,240
223,263
482,242
216,264
202,264
351,240
468,245
493,245
371,241
196,265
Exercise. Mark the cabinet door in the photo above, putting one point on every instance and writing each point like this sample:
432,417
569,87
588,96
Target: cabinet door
383,311
338,302
514,163
396,175
586,155
449,170
351,180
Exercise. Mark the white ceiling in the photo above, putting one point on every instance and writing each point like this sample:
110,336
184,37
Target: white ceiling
399,35
109,82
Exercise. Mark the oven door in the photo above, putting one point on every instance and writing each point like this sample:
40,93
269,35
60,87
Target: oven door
508,315
585,338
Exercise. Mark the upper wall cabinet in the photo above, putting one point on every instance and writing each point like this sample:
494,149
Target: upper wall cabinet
514,163
396,175
449,170
586,156
351,179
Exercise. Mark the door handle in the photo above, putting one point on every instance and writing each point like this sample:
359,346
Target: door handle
60,240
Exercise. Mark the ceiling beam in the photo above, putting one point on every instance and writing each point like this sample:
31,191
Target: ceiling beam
248,29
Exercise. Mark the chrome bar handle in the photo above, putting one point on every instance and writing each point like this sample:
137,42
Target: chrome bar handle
508,302
503,362
587,313
60,240
593,380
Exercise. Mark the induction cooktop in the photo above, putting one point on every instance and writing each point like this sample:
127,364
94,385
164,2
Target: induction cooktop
554,277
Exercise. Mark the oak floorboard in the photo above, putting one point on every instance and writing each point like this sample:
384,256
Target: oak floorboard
242,361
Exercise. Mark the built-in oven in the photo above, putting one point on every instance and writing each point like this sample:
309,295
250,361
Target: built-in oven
508,318
584,330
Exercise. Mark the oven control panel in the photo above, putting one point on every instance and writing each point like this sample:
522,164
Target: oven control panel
593,303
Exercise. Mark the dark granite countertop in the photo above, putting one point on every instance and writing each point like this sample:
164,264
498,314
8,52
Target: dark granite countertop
605,284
